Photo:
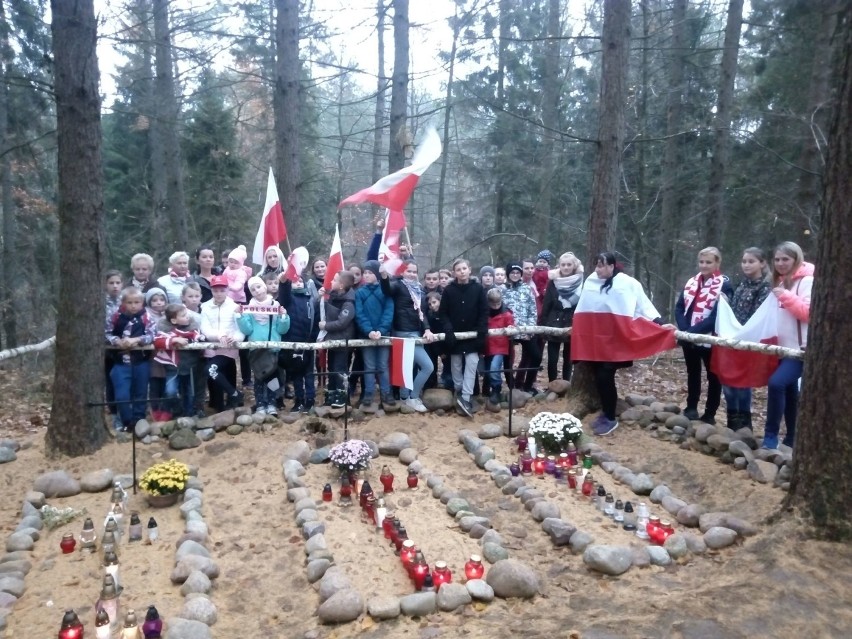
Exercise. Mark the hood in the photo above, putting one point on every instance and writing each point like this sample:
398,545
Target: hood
165,326
805,269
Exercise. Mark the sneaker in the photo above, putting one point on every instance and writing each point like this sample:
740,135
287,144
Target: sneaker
534,391
494,398
271,410
339,400
298,408
770,442
261,410
388,400
417,404
116,422
465,406
691,414
366,404
604,426
235,400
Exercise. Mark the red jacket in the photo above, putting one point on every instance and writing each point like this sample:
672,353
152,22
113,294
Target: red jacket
166,353
540,279
498,344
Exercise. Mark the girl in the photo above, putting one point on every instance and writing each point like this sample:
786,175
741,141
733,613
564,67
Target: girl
156,302
237,274
792,279
219,324
339,323
748,296
560,299
695,312
374,315
520,299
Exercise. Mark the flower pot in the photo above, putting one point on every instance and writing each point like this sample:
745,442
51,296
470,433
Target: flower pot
162,501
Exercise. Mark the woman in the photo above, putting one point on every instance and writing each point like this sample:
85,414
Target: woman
695,312
792,279
273,262
409,320
177,277
206,268
142,266
318,272
748,296
520,299
557,311
603,334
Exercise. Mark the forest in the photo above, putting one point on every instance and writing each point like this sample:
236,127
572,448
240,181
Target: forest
725,124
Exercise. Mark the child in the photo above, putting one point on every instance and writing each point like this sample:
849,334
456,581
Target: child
496,346
112,286
129,328
486,277
156,302
444,278
540,277
219,324
500,278
298,299
431,282
237,275
191,298
270,279
263,326
437,350
374,316
339,324
178,328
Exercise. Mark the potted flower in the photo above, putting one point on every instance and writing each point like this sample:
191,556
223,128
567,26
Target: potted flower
350,456
164,482
553,431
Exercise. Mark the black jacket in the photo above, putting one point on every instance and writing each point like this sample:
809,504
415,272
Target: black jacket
405,316
464,308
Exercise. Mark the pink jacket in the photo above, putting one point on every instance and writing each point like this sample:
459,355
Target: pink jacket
795,309
237,278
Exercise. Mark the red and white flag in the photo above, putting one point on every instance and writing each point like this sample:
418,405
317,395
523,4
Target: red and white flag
394,225
394,191
616,325
296,263
335,261
272,229
402,362
745,369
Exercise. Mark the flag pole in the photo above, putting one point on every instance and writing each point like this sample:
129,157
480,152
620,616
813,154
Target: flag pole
408,241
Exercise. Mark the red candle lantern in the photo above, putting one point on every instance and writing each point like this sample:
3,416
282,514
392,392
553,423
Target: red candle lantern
71,627
572,454
326,493
407,554
526,463
369,513
67,544
588,485
401,537
474,569
538,467
562,462
364,493
419,570
387,524
572,479
653,528
521,441
441,574
345,492
664,531
387,479
411,480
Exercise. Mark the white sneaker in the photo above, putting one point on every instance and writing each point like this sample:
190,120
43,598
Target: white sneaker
417,404
410,403
261,410
271,410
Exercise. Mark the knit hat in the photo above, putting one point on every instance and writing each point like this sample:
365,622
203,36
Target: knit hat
373,266
255,280
218,280
151,292
514,266
545,255
238,254
486,270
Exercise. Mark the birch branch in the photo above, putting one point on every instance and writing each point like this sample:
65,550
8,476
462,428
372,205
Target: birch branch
30,348
741,345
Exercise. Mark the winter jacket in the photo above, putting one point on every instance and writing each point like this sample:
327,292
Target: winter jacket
748,297
168,355
237,278
464,308
173,286
113,304
136,325
556,314
301,310
795,309
540,279
264,328
373,310
520,299
339,315
405,316
218,321
498,318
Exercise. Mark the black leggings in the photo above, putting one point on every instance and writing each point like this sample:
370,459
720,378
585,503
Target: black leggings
605,381
530,358
222,374
553,360
695,356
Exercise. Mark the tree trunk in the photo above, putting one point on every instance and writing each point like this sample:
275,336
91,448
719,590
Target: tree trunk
8,266
168,112
550,120
288,105
76,425
381,87
505,31
399,87
605,184
448,105
722,125
821,485
671,200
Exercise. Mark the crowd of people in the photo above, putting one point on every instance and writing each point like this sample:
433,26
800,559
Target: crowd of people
224,301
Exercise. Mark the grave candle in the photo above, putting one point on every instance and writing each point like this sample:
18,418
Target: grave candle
609,505
411,480
538,464
642,521
365,492
562,462
394,532
526,463
67,543
588,485
587,462
550,465
381,513
327,494
111,526
153,531
358,482
419,572
153,626
88,536
572,454
572,479
664,531
109,601
618,517
102,630
559,474
600,499
108,543
441,574
135,531
387,524
428,584
474,569
532,446
652,528
407,554
117,515
71,627
515,469
629,517
370,509
111,568
521,441
387,479
345,497
131,628
401,536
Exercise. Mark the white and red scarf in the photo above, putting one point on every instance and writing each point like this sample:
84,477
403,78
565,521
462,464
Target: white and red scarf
705,292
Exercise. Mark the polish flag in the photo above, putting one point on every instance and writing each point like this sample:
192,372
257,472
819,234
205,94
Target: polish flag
394,225
745,369
392,265
296,264
402,362
272,229
394,191
335,261
616,325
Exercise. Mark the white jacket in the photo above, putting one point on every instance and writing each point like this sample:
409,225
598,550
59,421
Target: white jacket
218,321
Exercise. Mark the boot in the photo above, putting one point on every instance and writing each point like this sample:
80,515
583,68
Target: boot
746,420
735,420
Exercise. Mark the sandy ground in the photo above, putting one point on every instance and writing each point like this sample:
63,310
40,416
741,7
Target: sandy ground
776,584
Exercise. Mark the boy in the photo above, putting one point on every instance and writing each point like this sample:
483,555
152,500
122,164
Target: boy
431,282
219,324
496,346
263,320
130,328
298,299
486,277
437,350
339,324
156,302
444,278
500,278
190,297
178,328
464,308
112,289
374,317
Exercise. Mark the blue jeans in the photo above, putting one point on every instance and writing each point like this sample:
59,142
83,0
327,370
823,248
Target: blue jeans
737,400
179,392
783,400
422,364
376,359
492,366
130,382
